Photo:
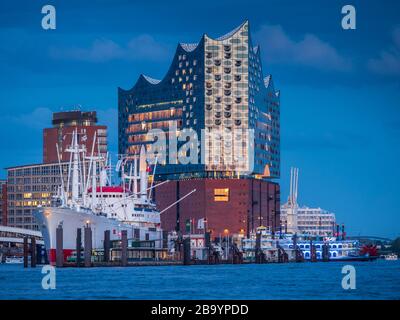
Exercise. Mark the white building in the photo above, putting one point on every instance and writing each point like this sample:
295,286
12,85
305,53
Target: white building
314,221
296,219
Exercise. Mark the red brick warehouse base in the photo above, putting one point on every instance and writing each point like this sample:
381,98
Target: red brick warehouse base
229,205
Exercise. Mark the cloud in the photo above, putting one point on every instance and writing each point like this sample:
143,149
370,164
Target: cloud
142,47
37,119
388,62
309,51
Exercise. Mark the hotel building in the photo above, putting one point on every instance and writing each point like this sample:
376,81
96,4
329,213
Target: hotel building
212,87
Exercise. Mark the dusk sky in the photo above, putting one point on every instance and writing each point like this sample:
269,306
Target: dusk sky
340,89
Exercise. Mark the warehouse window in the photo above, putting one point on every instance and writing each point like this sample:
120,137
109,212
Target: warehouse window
221,194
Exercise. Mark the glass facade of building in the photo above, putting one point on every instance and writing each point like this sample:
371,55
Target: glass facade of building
215,87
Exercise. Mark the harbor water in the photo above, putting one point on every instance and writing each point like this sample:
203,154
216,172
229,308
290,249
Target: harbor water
374,280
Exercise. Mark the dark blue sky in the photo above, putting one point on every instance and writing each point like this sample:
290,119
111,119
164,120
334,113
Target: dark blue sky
340,89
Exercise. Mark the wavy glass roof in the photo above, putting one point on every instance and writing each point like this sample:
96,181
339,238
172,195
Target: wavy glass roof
151,80
231,33
189,47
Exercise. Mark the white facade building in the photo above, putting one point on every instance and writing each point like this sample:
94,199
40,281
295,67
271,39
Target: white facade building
314,221
305,220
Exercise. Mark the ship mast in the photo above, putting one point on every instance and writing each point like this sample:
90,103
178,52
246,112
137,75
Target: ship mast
75,150
292,201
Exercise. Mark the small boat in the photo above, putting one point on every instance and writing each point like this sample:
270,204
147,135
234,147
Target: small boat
391,257
14,260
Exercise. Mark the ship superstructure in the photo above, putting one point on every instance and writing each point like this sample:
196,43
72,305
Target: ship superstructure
89,199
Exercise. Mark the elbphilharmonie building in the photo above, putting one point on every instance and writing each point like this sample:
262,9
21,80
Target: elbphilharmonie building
214,86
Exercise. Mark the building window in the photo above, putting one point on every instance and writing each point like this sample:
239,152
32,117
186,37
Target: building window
221,194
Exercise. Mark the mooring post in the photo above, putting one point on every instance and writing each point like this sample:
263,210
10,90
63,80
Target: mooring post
25,252
78,246
59,247
107,246
186,251
88,246
33,252
208,246
124,248
257,252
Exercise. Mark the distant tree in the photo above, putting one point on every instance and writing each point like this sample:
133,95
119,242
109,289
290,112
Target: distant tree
396,245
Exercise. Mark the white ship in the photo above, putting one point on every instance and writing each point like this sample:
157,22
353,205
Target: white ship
93,202
337,249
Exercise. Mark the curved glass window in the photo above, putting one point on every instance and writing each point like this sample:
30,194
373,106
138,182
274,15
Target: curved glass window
217,77
212,47
217,62
218,115
241,48
227,70
238,63
227,92
228,107
217,122
218,99
208,106
209,92
227,114
227,55
208,85
241,55
227,48
238,100
209,55
237,77
227,85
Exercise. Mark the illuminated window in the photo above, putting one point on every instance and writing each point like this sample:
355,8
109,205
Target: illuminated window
221,194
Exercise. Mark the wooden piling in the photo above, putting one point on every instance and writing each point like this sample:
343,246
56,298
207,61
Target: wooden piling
59,247
78,246
26,252
186,251
107,246
33,252
88,246
124,248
